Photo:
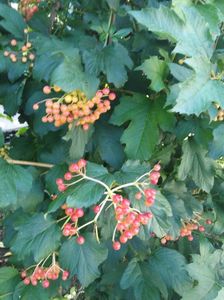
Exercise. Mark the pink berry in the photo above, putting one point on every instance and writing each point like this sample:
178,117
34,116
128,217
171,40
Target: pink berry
13,42
46,89
201,228
45,284
190,238
123,239
62,187
99,94
23,274
82,163
157,167
74,168
26,281
116,246
65,275
59,181
96,209
208,221
36,106
112,96
106,91
79,212
68,176
80,240
138,196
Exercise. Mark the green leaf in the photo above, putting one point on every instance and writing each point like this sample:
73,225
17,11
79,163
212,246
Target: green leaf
199,91
191,35
203,271
15,185
181,73
83,260
107,140
79,139
170,267
156,70
24,292
57,171
9,278
87,193
195,164
138,277
217,146
38,236
112,60
220,295
113,4
12,21
146,117
69,75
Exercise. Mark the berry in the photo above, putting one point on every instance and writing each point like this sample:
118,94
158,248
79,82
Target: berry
163,241
190,238
116,246
82,163
80,240
68,176
65,275
23,274
26,281
201,228
96,209
36,106
45,284
138,196
46,89
6,53
79,212
13,42
157,167
106,91
123,239
31,56
74,168
59,181
112,96
208,221
62,187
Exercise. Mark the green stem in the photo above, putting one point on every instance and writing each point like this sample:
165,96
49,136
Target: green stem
110,22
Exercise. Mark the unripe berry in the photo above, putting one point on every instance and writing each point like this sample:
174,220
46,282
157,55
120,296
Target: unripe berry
45,284
36,106
13,42
46,89
138,196
80,240
116,246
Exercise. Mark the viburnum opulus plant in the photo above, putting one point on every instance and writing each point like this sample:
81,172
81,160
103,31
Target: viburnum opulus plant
113,188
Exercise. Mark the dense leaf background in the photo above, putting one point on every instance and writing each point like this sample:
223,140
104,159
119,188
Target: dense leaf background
164,59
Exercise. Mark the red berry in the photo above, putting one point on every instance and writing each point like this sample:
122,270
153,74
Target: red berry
106,91
45,284
69,211
80,240
79,212
26,281
23,274
96,209
208,221
123,239
82,163
68,176
116,246
117,198
74,168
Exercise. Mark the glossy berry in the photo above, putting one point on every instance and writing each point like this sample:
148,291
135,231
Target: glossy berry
80,240
96,209
47,89
201,228
116,246
46,284
74,168
68,176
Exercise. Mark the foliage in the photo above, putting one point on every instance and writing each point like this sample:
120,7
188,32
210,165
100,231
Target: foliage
162,63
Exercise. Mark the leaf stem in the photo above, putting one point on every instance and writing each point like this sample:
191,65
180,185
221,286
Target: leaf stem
29,163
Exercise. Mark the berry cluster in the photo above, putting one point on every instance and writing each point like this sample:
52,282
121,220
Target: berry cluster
187,229
128,220
74,168
44,275
20,52
28,8
75,107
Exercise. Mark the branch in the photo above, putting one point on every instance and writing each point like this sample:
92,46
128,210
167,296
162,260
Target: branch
29,163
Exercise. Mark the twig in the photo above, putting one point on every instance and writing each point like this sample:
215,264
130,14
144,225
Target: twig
29,163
